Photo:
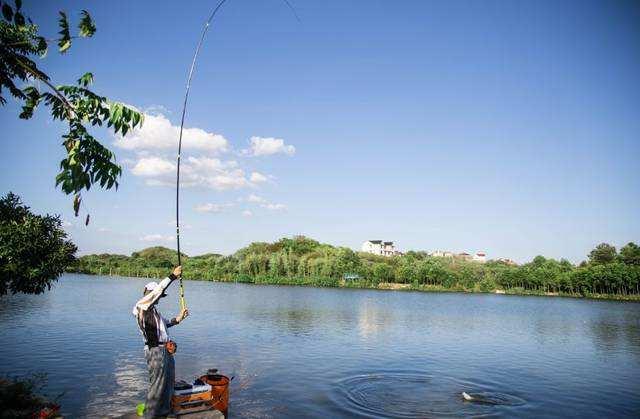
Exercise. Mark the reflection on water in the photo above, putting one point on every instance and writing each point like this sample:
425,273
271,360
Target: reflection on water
130,380
309,352
372,320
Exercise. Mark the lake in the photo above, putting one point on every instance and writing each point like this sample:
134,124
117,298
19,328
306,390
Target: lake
320,352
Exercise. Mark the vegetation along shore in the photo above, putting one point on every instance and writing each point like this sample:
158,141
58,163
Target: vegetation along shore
606,273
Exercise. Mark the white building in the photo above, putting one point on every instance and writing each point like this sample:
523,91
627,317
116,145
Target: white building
379,247
507,261
441,254
480,257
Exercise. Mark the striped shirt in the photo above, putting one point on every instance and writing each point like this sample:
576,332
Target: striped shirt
152,325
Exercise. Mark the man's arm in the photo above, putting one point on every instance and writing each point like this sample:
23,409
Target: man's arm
164,284
178,319
145,302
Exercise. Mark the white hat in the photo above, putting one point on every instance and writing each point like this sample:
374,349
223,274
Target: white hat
151,286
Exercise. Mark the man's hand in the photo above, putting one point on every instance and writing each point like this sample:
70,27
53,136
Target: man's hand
177,271
184,313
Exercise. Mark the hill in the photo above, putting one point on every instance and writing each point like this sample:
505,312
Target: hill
304,261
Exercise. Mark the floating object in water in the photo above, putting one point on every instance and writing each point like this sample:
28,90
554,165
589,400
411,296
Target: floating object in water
482,399
494,399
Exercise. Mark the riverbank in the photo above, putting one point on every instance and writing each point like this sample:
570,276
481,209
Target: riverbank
385,286
304,261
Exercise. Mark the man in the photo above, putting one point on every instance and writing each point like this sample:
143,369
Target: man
159,349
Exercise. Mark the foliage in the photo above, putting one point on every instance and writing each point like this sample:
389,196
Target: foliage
158,257
87,162
19,399
630,254
603,253
303,261
34,250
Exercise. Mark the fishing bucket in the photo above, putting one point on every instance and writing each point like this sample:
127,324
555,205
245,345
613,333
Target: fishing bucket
219,390
209,392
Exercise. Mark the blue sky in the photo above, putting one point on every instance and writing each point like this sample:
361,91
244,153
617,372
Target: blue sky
508,127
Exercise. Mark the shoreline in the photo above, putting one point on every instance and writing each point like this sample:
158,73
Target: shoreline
392,286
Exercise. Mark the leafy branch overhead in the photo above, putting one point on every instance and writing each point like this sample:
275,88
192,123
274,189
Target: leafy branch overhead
87,162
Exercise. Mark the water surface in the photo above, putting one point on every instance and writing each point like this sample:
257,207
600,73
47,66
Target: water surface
314,352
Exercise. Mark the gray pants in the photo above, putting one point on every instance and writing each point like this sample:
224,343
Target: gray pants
161,379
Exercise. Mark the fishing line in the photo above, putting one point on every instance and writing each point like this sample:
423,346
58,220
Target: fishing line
184,111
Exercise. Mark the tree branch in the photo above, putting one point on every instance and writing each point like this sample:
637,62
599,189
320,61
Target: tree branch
70,109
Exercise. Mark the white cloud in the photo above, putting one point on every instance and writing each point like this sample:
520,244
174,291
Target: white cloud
247,213
157,110
265,204
209,207
156,238
214,173
66,224
104,230
274,207
152,167
265,146
258,177
157,132
255,198
194,171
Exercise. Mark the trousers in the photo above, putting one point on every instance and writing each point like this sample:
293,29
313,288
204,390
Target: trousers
162,372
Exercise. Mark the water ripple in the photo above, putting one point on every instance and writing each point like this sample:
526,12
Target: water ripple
400,394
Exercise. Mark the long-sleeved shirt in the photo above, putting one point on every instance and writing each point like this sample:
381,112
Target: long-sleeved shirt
150,322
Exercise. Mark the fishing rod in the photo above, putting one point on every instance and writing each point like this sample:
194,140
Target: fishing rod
184,111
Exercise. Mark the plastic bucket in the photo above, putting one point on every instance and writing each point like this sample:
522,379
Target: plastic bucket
219,391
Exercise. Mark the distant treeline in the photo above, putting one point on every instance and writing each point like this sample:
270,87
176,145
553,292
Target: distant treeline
303,261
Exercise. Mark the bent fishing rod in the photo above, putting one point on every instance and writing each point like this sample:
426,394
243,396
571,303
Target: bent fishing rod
184,111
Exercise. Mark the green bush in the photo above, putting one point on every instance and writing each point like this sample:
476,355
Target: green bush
34,250
302,261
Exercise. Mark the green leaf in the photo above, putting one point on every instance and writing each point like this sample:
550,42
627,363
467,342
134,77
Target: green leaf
7,12
18,19
117,113
42,46
65,40
86,26
86,79
136,118
60,178
32,100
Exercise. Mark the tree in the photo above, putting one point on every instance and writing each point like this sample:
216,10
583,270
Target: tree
407,272
603,253
630,254
34,250
87,162
347,261
382,272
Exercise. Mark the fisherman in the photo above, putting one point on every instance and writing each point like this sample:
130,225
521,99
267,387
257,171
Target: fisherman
159,349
